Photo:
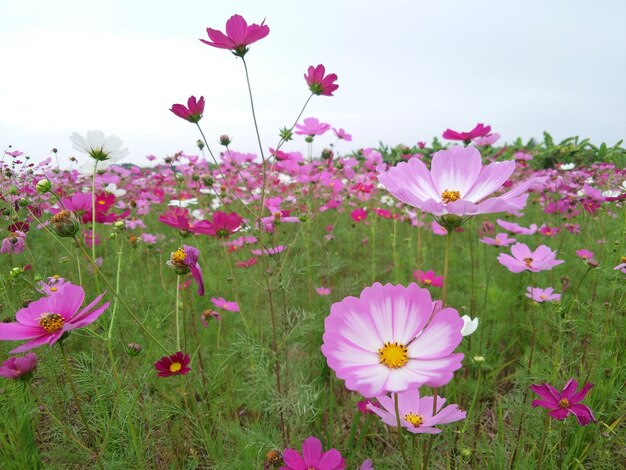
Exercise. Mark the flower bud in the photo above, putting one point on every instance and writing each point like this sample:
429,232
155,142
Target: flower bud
208,181
65,223
44,186
200,144
286,134
180,177
225,140
478,359
133,349
15,272
327,154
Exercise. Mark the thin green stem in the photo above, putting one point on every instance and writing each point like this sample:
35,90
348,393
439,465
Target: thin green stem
93,210
400,436
177,313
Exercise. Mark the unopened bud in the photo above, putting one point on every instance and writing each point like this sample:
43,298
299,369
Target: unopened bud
208,181
200,144
225,140
65,223
133,349
15,272
286,134
180,177
327,154
44,186
478,359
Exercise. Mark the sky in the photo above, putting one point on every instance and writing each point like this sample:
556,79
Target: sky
407,71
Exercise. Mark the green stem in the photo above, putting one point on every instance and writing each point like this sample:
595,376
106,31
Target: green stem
177,313
70,379
93,210
446,260
400,436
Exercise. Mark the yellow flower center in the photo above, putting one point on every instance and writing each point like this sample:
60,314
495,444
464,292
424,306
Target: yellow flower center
450,195
56,276
543,296
393,355
101,202
175,367
415,420
178,257
51,322
528,261
427,281
53,289
564,403
623,259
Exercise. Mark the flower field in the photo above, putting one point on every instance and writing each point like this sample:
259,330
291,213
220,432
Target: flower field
452,304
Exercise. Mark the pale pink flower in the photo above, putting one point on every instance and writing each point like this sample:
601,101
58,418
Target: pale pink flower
323,291
542,295
224,304
312,127
501,239
542,259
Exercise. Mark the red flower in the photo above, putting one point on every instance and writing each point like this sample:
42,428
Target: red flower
192,112
176,364
318,83
358,215
479,131
563,403
238,35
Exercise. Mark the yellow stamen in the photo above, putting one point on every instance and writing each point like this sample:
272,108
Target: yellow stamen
528,261
415,420
175,367
393,355
53,289
51,322
564,403
178,257
450,195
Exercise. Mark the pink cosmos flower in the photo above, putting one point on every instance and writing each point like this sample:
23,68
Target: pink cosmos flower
389,340
269,251
585,254
220,302
222,226
416,414
515,228
45,320
176,364
358,215
323,291
542,259
18,367
620,267
563,403
312,127
238,35
192,112
428,278
184,260
312,457
438,229
479,131
542,295
343,135
246,263
456,184
485,140
14,243
548,231
501,239
318,83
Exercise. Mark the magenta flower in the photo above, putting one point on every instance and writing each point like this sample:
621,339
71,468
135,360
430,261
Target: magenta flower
501,239
585,254
456,184
19,367
312,127
428,278
479,131
192,112
542,295
238,35
416,414
222,303
390,339
323,291
271,251
176,364
45,320
319,84
14,243
548,231
358,215
312,457
562,403
343,135
185,260
542,259
222,226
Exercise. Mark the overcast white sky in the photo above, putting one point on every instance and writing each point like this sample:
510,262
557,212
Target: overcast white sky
407,70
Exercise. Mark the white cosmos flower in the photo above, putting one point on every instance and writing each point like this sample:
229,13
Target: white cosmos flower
183,202
102,149
567,166
112,188
469,325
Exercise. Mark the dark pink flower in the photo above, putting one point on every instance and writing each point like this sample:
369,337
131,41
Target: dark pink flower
562,403
358,215
238,35
185,260
19,367
176,364
45,320
312,457
192,112
479,131
585,254
428,278
319,83
222,226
